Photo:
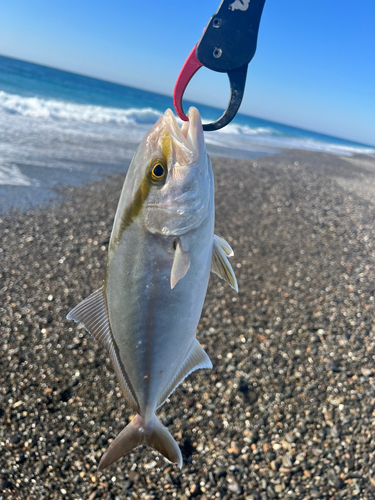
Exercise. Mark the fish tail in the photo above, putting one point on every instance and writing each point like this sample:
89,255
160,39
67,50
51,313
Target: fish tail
135,433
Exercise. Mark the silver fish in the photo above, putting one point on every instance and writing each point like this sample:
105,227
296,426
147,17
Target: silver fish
160,255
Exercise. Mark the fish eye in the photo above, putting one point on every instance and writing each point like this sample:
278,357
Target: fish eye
158,171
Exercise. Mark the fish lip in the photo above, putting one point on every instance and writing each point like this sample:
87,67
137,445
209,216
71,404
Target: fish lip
191,132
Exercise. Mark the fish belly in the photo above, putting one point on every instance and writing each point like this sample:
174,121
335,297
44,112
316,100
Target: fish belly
153,325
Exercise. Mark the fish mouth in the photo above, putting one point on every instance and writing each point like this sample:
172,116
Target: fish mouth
190,135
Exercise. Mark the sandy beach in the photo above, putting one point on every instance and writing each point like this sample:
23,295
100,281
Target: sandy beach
288,409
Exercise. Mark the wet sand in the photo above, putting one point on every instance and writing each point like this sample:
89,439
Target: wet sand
288,409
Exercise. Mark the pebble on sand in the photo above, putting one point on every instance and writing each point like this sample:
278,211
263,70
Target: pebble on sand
271,420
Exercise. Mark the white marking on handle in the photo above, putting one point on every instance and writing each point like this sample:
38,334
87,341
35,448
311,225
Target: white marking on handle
239,5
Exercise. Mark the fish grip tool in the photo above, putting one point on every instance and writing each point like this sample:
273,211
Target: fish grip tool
227,45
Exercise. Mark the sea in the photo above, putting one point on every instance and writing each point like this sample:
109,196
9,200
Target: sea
59,128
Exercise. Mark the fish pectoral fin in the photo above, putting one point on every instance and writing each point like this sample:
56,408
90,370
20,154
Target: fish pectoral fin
195,359
220,264
181,263
135,433
92,313
224,245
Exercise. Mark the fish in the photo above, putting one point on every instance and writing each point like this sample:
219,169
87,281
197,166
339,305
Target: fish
161,252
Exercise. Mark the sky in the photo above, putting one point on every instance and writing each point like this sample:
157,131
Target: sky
314,66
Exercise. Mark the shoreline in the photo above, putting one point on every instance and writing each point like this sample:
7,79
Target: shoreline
41,186
286,411
46,185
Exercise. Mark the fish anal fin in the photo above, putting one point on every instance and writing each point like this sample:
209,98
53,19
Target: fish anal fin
224,245
220,265
195,359
153,434
181,263
92,313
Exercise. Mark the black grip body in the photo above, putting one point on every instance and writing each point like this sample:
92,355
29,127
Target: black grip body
230,38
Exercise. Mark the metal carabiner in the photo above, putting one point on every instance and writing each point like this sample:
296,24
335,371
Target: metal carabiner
227,45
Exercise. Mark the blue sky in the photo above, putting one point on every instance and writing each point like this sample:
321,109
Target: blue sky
314,66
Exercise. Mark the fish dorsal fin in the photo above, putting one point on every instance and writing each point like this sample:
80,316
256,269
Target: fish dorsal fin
181,263
224,245
195,359
220,264
92,313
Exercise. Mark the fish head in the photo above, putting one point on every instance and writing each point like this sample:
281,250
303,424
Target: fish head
171,174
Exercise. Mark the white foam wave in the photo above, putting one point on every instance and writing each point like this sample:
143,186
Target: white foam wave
235,129
11,175
36,107
94,124
253,139
310,144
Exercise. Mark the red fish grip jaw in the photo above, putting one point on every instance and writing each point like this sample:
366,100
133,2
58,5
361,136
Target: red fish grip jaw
191,66
237,81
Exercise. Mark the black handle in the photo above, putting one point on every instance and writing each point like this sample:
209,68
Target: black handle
230,38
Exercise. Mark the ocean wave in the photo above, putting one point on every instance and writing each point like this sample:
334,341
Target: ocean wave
247,139
235,129
36,107
82,124
310,144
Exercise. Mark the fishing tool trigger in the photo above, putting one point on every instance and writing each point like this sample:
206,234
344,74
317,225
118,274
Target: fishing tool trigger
227,45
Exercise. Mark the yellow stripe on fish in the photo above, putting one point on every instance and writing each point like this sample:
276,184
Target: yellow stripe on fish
165,142
131,212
